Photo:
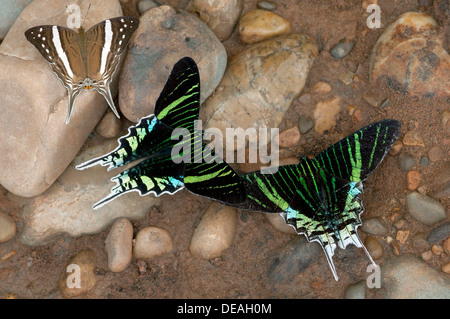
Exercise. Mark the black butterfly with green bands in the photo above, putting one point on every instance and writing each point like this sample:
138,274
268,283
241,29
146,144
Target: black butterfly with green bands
152,141
320,197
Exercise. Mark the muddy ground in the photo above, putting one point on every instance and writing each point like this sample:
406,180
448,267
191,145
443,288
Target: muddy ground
242,271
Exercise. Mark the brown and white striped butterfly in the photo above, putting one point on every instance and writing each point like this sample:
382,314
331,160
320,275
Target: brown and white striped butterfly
84,60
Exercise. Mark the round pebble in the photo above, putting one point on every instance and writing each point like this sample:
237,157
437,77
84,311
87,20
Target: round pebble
321,88
305,124
435,154
437,249
424,161
374,247
326,113
215,233
446,268
266,5
145,5
7,227
79,275
151,242
374,226
413,180
342,49
257,25
289,137
405,161
396,148
119,245
356,291
109,126
425,209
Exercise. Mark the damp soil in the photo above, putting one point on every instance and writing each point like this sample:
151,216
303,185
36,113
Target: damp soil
242,271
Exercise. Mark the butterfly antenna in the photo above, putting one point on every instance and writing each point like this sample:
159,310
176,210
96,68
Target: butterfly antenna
85,17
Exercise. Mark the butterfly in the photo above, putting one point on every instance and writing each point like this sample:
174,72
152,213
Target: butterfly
320,197
152,141
84,60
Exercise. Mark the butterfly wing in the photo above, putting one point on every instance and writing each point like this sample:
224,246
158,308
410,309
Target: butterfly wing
105,44
157,176
60,47
149,138
213,178
355,157
179,102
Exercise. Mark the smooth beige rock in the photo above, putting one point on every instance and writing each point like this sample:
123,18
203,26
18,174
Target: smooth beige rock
410,57
325,114
119,245
109,125
215,233
66,207
260,84
374,247
220,15
151,242
166,35
36,144
78,276
289,137
7,227
258,25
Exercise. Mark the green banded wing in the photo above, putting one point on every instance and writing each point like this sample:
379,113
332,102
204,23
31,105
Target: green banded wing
355,157
146,139
156,175
179,102
209,175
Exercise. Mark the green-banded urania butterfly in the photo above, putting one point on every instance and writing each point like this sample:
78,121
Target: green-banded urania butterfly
320,197
152,142
84,60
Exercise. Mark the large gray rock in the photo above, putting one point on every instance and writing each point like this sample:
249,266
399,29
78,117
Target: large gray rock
36,144
66,207
166,35
9,13
407,277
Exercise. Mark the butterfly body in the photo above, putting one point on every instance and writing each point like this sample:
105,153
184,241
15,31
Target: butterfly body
84,60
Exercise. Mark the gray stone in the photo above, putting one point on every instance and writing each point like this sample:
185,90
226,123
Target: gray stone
439,233
425,209
405,161
305,124
356,291
7,227
145,5
374,226
294,258
266,5
342,49
407,277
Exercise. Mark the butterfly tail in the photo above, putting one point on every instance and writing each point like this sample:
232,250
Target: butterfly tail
103,88
155,176
149,138
72,94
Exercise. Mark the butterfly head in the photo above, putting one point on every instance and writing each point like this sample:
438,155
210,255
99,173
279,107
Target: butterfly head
88,84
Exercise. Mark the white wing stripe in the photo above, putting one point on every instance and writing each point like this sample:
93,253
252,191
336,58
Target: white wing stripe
62,55
107,45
